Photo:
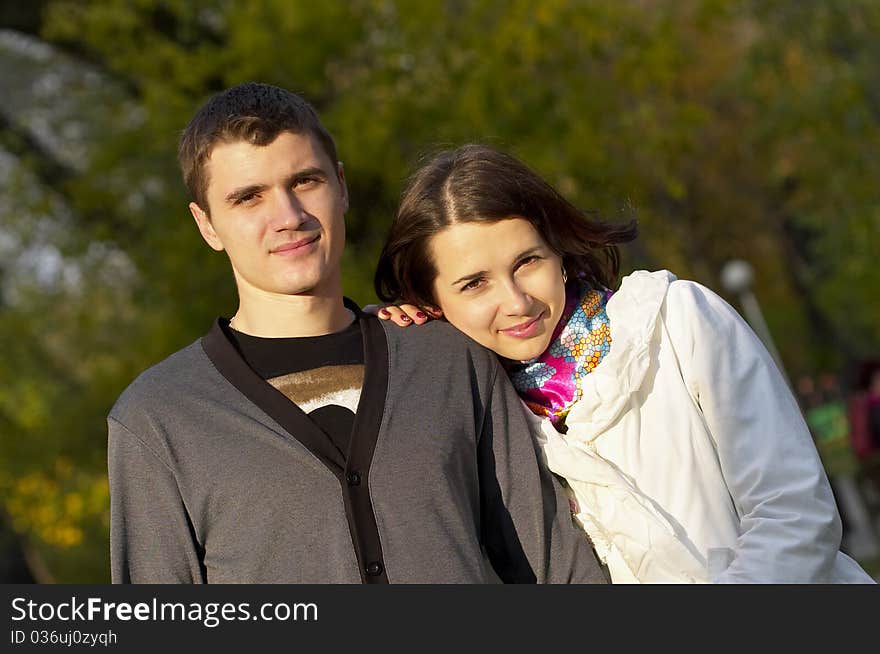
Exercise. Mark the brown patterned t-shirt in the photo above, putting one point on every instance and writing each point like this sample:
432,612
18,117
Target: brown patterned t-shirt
323,375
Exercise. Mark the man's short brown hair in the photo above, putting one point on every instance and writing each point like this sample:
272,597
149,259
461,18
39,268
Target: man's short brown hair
252,112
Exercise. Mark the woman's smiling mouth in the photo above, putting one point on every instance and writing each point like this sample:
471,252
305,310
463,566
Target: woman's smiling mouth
525,329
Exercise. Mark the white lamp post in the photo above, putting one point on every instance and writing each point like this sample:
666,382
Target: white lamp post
737,276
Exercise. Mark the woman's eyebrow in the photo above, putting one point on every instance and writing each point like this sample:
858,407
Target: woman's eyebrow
527,253
522,255
470,277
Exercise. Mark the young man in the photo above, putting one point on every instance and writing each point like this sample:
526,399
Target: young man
302,441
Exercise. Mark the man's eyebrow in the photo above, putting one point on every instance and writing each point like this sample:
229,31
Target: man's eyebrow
244,191
312,171
519,257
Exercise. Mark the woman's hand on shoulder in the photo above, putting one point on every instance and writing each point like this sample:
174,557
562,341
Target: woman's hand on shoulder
403,315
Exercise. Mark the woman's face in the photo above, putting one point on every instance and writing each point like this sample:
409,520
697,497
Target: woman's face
500,284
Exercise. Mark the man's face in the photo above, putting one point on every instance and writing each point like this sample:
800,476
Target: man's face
278,212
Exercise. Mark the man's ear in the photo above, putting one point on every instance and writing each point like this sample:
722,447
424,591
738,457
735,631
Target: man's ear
340,175
206,229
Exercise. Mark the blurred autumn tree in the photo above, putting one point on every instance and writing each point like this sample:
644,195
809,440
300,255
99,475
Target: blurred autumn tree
731,129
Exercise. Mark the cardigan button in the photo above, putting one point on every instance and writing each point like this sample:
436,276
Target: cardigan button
374,569
353,478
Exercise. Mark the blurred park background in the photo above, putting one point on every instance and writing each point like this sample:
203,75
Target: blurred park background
732,129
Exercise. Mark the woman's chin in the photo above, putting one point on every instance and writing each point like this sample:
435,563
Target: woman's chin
526,351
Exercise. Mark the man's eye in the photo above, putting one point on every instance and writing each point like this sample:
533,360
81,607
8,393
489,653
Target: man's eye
305,182
246,198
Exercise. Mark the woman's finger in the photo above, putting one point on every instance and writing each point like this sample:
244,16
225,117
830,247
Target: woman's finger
415,314
396,315
402,315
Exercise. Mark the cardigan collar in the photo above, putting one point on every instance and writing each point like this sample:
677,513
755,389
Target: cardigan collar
222,352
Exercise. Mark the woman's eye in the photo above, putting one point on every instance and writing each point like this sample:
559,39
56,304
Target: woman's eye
471,285
527,260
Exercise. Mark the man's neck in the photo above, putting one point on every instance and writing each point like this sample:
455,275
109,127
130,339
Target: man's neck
291,316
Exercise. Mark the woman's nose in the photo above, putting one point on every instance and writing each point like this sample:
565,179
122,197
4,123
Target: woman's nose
516,301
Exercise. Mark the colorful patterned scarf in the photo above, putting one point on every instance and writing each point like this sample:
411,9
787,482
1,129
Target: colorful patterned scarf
550,384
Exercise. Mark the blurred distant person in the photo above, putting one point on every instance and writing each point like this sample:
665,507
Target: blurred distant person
864,416
808,395
826,414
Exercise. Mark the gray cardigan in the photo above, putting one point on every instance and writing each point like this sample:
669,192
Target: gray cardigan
217,477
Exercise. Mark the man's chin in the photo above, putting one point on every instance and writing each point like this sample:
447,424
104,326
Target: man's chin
307,287
301,291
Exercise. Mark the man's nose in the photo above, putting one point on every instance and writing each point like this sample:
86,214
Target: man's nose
287,211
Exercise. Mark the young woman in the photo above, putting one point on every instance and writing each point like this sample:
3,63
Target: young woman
685,454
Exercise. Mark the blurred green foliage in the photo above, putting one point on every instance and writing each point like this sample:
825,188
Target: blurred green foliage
729,128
